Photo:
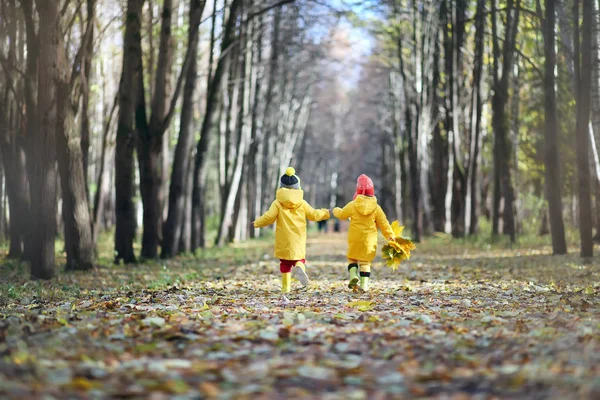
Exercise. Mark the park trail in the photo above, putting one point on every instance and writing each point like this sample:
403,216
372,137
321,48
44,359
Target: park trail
457,321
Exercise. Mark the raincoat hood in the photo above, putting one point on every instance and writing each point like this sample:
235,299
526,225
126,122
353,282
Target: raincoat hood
365,205
289,213
290,198
366,218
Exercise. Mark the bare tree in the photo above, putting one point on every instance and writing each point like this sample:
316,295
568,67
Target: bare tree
42,177
213,97
583,73
503,187
75,207
553,190
472,201
182,157
124,173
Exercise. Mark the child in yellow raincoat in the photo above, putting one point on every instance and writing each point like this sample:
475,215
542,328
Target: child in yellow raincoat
290,211
366,217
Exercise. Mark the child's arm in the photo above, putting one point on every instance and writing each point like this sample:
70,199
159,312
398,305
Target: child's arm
344,213
383,224
315,215
267,218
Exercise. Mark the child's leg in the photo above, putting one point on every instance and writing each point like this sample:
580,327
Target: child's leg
365,275
285,267
299,272
353,269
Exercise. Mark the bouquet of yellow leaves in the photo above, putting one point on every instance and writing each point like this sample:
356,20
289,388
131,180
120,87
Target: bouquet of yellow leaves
397,250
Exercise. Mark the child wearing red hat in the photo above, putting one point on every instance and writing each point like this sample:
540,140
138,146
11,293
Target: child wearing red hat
366,217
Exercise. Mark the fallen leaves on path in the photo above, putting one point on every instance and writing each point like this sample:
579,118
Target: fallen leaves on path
451,323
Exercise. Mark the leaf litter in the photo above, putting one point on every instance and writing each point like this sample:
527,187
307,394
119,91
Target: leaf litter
453,322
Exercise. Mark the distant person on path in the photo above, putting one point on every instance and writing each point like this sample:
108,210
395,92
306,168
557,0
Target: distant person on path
290,211
322,226
366,216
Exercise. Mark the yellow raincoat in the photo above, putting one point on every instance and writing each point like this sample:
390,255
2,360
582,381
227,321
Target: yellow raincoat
366,216
290,211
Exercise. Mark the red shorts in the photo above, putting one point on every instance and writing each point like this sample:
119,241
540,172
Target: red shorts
287,265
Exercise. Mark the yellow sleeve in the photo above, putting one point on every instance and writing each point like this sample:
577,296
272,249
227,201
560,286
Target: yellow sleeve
344,213
383,224
315,215
267,218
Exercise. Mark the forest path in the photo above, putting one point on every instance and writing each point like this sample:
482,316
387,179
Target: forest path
455,320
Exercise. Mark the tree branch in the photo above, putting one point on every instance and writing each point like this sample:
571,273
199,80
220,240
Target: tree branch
81,52
69,26
195,16
529,61
267,9
7,66
65,7
524,10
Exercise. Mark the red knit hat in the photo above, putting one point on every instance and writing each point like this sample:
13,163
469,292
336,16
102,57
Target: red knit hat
364,186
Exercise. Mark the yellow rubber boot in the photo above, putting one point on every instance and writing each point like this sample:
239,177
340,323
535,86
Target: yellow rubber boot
299,273
353,269
365,276
286,282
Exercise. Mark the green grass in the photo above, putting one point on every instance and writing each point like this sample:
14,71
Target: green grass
15,282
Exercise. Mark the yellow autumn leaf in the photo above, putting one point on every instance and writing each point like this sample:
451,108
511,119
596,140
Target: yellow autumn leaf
397,250
361,305
397,228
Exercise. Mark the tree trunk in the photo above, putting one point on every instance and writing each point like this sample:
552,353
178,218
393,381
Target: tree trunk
181,162
595,114
552,159
86,75
415,188
472,200
513,141
502,152
254,169
213,97
43,168
75,209
18,196
150,137
597,209
149,152
32,118
584,69
151,134
268,119
124,163
232,200
397,143
16,185
440,149
459,185
2,203
103,184
75,205
544,230
185,238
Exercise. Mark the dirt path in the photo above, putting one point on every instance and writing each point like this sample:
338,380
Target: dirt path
454,322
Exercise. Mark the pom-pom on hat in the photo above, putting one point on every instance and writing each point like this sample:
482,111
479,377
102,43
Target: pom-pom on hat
364,186
290,180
